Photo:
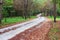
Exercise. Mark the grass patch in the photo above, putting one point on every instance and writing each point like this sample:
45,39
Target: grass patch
14,20
52,18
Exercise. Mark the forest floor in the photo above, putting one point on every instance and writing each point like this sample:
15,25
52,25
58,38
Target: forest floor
54,33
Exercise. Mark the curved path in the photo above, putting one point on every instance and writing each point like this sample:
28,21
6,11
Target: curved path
10,32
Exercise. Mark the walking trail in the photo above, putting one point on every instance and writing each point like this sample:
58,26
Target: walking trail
36,29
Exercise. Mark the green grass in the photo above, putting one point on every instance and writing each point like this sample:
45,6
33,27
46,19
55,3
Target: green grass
52,18
14,20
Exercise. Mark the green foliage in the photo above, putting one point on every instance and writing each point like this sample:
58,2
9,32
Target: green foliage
7,10
14,20
8,6
58,6
52,18
39,3
58,11
8,2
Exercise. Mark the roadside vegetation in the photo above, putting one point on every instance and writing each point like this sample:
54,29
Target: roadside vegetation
52,18
54,33
14,20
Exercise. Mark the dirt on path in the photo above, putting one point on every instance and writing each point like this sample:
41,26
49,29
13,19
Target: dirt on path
39,32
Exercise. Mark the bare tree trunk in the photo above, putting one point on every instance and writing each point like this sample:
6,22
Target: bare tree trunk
25,8
54,10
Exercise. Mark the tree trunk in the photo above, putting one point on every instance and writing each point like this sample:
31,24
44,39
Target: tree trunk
25,8
55,11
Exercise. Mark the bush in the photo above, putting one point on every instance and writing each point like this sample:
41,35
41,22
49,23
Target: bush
8,11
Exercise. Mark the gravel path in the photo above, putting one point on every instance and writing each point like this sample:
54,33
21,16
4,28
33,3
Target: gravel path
38,32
